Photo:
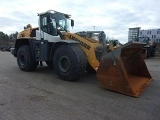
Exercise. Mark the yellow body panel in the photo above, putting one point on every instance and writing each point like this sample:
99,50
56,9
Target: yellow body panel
25,33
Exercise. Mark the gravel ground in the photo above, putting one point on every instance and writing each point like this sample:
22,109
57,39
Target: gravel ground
41,95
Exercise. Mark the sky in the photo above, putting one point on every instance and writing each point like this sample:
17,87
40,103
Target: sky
114,17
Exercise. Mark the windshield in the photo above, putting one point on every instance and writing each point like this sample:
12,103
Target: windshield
61,21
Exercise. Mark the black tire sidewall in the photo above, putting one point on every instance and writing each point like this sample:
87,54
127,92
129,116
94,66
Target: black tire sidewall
29,64
22,51
50,64
67,52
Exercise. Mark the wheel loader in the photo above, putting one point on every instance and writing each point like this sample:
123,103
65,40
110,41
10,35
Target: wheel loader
122,70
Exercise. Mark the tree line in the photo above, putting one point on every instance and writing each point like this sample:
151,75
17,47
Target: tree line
6,39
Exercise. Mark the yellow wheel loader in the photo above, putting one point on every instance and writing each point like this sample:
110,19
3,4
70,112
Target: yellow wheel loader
122,70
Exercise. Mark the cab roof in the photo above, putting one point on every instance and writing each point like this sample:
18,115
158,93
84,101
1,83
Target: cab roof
53,11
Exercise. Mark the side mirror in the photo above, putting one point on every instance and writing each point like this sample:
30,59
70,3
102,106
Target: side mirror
72,22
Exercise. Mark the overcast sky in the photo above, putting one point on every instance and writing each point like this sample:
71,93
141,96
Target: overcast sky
112,16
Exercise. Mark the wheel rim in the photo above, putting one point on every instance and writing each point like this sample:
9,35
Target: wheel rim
22,60
64,63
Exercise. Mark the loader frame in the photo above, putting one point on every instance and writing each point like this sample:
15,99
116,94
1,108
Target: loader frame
70,54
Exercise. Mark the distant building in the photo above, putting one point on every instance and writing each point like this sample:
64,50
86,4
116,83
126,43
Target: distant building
153,34
135,33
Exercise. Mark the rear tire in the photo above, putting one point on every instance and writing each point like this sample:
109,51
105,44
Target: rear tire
25,60
69,62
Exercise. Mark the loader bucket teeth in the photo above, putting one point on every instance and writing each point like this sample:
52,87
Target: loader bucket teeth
124,70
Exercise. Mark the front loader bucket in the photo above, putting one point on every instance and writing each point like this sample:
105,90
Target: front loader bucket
124,70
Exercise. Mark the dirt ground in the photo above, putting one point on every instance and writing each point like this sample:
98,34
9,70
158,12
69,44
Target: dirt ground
41,95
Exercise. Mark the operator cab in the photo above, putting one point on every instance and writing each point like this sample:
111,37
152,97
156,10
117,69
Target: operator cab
52,22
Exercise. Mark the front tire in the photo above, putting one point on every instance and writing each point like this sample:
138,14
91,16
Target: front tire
25,60
50,64
69,62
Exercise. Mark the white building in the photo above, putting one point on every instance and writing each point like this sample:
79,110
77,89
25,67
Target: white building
153,34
